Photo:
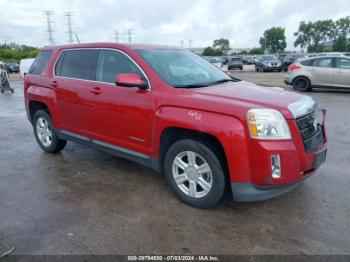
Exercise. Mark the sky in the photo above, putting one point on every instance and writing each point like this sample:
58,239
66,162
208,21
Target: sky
162,21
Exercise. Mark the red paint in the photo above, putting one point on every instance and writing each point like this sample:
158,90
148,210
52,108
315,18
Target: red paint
118,115
293,67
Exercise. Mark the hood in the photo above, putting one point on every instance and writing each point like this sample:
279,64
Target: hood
253,96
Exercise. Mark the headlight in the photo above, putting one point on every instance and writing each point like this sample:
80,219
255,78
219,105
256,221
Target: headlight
267,124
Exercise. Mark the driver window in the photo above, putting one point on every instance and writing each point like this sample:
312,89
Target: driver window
110,63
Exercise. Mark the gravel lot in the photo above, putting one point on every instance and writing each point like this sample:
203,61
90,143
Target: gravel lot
85,202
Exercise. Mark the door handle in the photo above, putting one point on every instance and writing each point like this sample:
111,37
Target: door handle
54,83
96,91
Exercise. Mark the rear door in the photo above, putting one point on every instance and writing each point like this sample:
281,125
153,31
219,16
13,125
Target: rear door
73,72
342,72
321,71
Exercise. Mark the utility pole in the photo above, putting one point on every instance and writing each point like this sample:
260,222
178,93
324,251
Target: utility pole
49,22
129,32
190,43
117,36
69,24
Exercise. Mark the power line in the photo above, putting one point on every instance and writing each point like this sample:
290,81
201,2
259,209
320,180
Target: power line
69,24
126,36
49,22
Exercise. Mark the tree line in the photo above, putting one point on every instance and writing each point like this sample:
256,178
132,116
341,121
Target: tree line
313,36
14,53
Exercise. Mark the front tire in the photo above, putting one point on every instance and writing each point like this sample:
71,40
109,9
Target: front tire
195,173
301,84
45,133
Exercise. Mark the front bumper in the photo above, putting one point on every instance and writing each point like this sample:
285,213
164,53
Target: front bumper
247,192
288,80
235,66
272,68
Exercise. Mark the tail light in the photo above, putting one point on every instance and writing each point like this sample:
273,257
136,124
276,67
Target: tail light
26,81
293,67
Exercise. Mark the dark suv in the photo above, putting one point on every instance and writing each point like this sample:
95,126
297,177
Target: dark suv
290,59
268,63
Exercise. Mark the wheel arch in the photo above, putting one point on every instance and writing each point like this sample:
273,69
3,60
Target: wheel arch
225,131
172,134
34,106
301,76
41,98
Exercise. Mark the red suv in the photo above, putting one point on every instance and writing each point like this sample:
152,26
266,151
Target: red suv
173,111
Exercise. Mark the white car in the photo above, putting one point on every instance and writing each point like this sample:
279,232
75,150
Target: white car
24,66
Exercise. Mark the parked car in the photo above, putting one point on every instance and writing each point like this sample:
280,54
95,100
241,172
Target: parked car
281,57
235,63
13,67
24,66
218,62
248,60
268,63
204,131
327,71
290,59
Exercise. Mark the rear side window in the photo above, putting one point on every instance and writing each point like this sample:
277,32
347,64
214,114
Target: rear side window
40,62
323,62
76,64
307,62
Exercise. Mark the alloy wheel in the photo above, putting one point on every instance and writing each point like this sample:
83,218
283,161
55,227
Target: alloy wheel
192,174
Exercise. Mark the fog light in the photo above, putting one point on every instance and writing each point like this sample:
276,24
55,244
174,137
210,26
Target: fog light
275,166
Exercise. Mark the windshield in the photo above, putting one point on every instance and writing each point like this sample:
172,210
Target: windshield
269,57
236,60
180,68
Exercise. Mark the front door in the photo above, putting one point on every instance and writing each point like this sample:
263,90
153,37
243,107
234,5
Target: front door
122,114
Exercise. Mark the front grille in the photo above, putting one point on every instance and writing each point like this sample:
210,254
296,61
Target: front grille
311,130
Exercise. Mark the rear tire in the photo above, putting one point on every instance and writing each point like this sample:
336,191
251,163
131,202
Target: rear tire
195,173
301,84
45,133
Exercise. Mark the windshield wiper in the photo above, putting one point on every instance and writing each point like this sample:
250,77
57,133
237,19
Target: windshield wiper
191,85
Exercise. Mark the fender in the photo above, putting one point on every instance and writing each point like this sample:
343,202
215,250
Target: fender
48,97
231,134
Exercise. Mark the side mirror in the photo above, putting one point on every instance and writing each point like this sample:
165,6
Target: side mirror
130,80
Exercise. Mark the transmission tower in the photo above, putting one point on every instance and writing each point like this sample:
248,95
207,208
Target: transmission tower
117,36
69,25
49,22
129,32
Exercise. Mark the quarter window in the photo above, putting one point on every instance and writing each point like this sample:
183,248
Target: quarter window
40,62
111,63
343,63
76,64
